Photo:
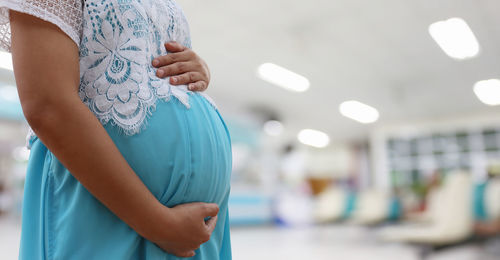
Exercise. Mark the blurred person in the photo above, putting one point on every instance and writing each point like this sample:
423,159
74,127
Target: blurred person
488,228
293,201
5,199
395,204
486,204
429,198
293,167
123,164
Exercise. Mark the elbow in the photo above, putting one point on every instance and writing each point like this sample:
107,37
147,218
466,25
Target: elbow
39,113
43,110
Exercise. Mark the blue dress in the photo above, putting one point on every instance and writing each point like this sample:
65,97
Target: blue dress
175,140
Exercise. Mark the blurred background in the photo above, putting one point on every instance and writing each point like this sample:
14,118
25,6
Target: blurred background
360,129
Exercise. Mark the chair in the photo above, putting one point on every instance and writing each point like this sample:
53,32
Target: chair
451,218
492,199
372,207
330,205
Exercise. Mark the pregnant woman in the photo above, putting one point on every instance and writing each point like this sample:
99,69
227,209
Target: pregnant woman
123,164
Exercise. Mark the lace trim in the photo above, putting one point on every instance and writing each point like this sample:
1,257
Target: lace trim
114,38
54,12
31,136
209,99
119,40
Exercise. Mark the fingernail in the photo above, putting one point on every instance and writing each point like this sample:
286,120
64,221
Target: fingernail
156,62
159,73
174,79
191,87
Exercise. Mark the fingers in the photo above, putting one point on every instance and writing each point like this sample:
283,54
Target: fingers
198,86
174,47
211,223
175,69
185,254
211,210
195,81
170,58
186,78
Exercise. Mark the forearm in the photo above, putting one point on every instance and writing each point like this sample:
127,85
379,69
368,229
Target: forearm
78,140
47,75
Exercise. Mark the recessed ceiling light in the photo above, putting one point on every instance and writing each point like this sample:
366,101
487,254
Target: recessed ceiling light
359,112
282,77
6,61
313,138
488,91
273,128
455,38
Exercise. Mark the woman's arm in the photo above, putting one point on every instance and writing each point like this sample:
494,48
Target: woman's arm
46,66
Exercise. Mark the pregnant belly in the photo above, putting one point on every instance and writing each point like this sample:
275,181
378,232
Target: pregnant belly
183,155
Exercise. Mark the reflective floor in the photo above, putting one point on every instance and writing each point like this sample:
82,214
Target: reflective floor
339,242
10,233
318,243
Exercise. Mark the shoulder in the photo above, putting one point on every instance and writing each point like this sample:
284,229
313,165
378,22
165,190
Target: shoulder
65,14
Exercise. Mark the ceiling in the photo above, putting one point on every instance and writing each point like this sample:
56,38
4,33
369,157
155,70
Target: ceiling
377,52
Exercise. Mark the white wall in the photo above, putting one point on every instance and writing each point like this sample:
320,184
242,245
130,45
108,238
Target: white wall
380,135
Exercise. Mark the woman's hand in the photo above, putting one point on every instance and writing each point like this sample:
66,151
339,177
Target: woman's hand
183,66
182,229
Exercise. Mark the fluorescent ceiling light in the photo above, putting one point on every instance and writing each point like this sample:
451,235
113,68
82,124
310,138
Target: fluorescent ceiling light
6,61
273,128
358,111
455,37
488,91
282,77
313,138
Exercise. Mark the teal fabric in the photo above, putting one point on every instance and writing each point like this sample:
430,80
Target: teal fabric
479,206
184,155
395,209
350,204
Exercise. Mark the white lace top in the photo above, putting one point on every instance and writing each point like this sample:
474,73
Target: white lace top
117,40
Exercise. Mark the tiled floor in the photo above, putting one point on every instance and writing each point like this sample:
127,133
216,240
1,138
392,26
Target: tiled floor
315,243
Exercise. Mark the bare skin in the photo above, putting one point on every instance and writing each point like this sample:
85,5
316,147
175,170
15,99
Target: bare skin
47,79
183,66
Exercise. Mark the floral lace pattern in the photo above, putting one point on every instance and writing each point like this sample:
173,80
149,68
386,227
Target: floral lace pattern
117,41
66,14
